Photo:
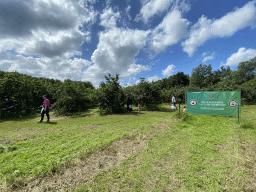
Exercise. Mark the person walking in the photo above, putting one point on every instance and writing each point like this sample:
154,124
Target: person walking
173,101
46,107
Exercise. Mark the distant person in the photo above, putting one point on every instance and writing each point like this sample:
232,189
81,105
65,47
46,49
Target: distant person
129,105
46,106
122,105
130,108
185,109
139,106
173,107
173,101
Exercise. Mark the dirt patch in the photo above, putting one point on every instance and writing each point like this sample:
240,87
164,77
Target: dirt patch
83,171
221,147
213,161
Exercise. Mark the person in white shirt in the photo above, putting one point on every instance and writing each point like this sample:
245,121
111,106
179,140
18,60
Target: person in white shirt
173,101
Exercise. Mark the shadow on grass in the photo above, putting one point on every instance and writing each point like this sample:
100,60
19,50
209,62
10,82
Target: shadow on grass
163,109
52,123
37,114
27,118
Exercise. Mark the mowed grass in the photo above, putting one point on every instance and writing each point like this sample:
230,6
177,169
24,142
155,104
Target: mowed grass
153,151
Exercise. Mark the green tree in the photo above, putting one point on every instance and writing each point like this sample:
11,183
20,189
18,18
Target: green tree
110,95
202,76
180,79
246,71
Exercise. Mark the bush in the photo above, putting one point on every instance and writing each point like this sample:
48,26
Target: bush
185,116
152,107
245,124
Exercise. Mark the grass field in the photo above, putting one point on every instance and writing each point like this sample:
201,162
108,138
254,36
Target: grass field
153,151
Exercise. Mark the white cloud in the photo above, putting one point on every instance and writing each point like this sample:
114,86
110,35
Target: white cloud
170,31
241,56
126,85
152,7
128,9
55,37
208,57
127,12
206,29
154,78
50,30
109,18
46,28
56,68
116,51
169,70
134,78
137,82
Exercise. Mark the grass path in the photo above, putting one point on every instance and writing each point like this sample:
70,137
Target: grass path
153,151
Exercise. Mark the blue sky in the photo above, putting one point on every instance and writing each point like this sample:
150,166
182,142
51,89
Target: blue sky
83,40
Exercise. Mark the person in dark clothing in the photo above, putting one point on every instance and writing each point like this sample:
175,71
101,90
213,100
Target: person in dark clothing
122,106
46,106
129,105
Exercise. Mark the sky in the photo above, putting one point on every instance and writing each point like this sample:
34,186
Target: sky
83,40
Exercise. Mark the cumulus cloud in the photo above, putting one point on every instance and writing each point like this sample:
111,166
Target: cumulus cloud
44,67
109,18
53,31
116,52
154,78
241,56
208,57
169,70
47,28
206,29
170,31
152,7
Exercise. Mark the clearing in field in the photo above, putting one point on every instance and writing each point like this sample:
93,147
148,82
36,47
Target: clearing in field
153,151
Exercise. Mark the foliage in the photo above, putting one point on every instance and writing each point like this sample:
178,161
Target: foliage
110,95
148,94
74,96
16,94
202,76
64,97
248,92
185,116
247,124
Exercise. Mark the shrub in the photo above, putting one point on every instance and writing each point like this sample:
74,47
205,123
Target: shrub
185,116
246,124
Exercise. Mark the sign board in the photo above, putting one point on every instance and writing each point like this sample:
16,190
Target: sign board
223,103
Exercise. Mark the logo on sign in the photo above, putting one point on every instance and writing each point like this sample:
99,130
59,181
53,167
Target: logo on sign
232,103
193,102
211,95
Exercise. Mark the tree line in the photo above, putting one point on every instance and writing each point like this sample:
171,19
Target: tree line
21,94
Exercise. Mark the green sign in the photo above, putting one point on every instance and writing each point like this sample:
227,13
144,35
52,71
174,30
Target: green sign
223,103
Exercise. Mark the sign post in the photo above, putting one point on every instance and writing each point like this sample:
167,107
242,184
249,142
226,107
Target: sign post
238,111
179,107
